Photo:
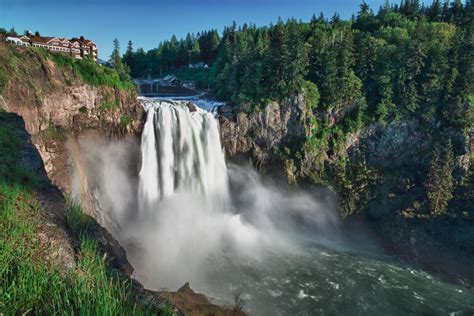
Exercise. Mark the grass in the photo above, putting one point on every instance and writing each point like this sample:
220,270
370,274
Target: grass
92,73
10,170
26,65
125,120
109,105
5,60
53,133
3,79
30,285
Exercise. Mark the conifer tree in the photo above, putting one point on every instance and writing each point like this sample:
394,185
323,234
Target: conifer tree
295,61
439,185
277,58
115,56
434,12
128,57
464,194
456,11
445,12
129,50
364,8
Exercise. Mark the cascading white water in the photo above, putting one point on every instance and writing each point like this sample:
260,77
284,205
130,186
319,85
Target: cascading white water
181,152
185,214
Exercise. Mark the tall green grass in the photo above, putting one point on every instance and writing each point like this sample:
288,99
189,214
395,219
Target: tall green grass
27,284
92,73
30,285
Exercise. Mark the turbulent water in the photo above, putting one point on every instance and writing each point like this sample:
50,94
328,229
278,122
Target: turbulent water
322,281
228,233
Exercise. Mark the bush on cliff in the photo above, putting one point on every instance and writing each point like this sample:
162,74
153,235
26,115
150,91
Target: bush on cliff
92,73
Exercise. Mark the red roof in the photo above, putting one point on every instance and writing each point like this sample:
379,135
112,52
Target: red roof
40,39
25,39
46,40
82,41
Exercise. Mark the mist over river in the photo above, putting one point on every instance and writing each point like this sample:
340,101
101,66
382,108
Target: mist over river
190,216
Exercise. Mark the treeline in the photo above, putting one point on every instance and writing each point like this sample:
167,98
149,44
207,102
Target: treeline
172,54
406,59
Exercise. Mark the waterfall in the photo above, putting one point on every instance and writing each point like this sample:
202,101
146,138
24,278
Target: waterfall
181,152
190,209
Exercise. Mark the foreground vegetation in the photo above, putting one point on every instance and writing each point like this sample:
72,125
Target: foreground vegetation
30,284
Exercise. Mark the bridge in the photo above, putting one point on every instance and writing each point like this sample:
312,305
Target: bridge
160,88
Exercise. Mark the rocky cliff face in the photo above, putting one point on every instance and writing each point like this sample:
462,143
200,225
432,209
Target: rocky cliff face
75,108
378,171
57,107
258,135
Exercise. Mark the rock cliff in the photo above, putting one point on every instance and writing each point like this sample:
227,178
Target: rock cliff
259,134
57,106
378,171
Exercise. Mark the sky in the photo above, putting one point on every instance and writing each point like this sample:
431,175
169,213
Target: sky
147,23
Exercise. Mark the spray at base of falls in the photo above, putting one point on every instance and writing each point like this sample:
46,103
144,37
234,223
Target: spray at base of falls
186,215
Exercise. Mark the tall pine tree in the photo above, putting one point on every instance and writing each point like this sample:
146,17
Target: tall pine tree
439,184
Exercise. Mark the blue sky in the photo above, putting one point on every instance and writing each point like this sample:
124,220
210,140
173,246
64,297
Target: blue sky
146,23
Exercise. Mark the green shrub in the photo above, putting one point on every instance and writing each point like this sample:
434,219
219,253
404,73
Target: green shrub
92,73
62,60
312,95
109,103
125,120
53,133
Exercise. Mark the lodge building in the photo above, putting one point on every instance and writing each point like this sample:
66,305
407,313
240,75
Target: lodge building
77,47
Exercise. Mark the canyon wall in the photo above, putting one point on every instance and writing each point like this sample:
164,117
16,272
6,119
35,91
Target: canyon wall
59,109
380,173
